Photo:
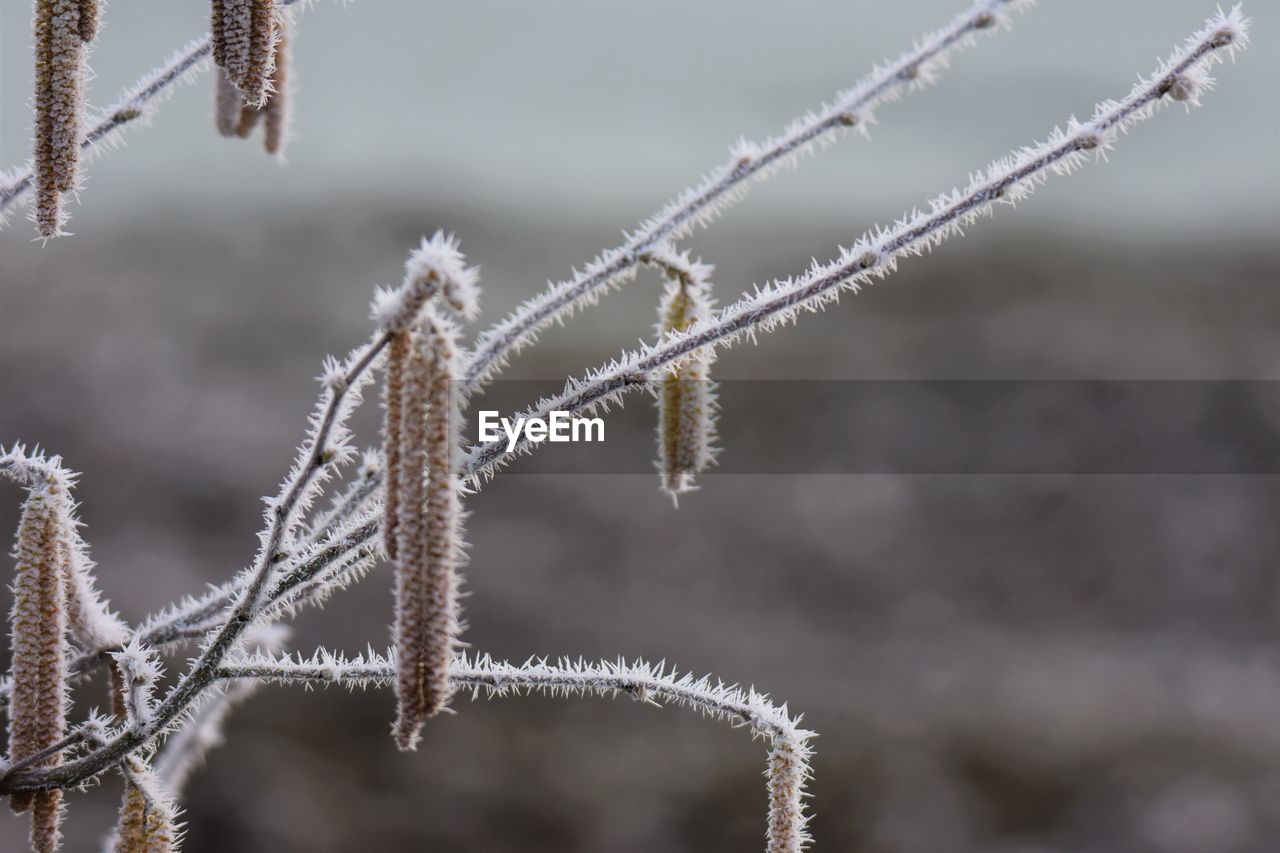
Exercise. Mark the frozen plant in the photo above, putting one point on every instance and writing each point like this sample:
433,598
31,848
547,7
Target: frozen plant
686,396
404,505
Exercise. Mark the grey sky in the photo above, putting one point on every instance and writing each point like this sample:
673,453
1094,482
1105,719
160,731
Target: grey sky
590,109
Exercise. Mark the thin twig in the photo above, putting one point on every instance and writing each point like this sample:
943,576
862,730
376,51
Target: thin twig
875,254
747,162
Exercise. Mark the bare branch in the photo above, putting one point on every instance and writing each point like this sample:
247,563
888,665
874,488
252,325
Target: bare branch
876,254
788,769
747,162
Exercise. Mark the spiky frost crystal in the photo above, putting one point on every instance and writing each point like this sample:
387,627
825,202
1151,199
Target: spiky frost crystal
147,822
243,34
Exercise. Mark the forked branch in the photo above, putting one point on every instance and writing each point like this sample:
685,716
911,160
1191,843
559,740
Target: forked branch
748,161
1183,78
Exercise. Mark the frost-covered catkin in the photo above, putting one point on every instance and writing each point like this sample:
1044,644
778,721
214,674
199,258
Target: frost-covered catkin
230,22
228,107
147,817
429,535
264,23
217,33
243,35
686,398
59,73
275,118
398,353
90,19
435,269
37,703
235,117
787,773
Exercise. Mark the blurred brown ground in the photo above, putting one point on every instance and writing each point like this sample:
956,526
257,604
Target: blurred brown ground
997,664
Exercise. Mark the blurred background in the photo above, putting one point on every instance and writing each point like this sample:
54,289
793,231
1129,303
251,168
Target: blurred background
1000,663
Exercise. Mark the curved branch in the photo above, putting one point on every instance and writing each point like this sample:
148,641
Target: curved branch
789,751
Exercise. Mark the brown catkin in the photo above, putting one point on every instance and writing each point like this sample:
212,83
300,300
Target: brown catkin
145,825
276,110
90,19
231,24
255,84
37,701
398,352
59,72
685,400
238,116
227,104
46,820
248,121
118,689
217,33
787,775
429,533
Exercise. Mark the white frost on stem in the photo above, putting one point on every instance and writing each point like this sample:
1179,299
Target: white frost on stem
1183,77
748,161
788,768
139,671
437,266
186,749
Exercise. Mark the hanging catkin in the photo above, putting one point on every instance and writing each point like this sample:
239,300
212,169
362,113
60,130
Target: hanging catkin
276,111
147,817
243,36
59,30
228,107
399,351
422,521
37,703
237,116
686,396
429,533
90,19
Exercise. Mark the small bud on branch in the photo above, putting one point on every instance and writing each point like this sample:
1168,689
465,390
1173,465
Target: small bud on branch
686,394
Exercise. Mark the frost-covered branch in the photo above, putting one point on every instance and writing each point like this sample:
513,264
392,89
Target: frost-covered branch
748,161
187,747
436,267
311,576
1182,78
789,751
301,562
137,102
